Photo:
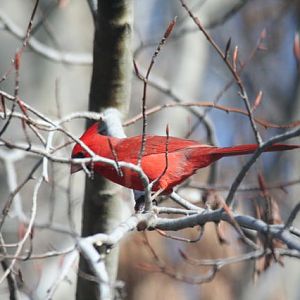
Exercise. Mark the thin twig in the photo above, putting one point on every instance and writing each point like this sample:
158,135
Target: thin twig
28,230
166,160
292,216
12,195
115,157
230,67
275,139
182,239
145,80
226,109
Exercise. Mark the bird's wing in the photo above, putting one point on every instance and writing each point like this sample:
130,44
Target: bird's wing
129,148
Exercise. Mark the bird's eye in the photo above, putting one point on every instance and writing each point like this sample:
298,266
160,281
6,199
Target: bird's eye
79,155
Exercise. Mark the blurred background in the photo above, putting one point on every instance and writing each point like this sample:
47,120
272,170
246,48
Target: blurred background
187,69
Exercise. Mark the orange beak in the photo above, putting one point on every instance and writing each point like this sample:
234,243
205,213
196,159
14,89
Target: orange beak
75,168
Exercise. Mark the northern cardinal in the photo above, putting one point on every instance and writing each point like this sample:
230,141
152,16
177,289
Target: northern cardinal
184,157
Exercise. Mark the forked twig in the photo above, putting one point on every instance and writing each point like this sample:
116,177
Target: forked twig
231,67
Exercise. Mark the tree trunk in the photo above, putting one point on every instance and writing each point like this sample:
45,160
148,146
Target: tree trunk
110,87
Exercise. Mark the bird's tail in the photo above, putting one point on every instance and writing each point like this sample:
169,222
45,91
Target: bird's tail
250,148
202,156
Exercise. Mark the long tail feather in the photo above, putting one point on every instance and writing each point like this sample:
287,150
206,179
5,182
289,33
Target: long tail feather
250,148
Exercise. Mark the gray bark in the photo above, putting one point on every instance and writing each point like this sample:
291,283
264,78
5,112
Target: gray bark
110,87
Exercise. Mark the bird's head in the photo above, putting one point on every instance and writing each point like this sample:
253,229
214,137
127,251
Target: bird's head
91,138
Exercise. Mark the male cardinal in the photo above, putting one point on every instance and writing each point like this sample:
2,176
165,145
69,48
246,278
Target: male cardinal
184,157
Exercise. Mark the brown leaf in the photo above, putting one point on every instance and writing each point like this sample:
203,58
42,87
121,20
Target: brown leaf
257,101
170,28
235,57
296,47
17,60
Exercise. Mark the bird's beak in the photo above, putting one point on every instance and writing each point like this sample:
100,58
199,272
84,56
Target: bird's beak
75,168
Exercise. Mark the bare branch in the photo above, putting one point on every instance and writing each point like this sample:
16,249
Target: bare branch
145,81
44,50
275,139
233,70
226,109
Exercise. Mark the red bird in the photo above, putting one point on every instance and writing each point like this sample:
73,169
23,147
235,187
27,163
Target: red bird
185,157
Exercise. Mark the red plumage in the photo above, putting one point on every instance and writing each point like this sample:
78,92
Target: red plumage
185,157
